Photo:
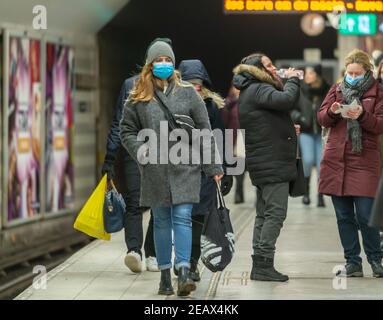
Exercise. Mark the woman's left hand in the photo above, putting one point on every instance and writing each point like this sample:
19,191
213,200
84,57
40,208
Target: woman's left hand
355,114
218,177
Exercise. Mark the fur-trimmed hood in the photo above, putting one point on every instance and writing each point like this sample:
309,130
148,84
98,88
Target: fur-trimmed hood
244,74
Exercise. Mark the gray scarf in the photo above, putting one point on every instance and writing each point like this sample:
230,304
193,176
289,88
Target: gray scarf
349,94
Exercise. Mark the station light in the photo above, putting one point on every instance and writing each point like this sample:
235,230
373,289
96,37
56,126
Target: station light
358,24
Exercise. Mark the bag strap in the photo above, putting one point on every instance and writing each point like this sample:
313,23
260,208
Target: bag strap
168,115
221,200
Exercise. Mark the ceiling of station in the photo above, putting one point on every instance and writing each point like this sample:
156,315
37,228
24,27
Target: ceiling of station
73,16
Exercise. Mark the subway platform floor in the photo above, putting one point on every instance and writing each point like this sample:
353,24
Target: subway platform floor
308,250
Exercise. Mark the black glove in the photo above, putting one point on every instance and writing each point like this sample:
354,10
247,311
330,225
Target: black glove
107,168
226,184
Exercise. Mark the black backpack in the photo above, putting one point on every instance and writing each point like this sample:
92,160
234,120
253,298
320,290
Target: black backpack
217,238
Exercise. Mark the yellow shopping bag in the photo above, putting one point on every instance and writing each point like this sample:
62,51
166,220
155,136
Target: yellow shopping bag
91,218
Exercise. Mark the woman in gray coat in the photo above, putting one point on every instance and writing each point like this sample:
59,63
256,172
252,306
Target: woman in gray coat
169,189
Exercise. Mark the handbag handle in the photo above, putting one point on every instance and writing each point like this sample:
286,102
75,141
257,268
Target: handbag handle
221,200
113,186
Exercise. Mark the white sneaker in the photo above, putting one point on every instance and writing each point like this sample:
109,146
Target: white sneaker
133,261
151,264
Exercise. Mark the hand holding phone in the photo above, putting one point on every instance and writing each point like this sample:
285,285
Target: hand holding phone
350,111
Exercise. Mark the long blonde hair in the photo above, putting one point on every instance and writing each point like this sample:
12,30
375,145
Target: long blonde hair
143,90
218,100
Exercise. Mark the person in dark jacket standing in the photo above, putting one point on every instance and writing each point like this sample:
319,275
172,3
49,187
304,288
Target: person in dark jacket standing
230,119
271,144
313,92
133,219
169,189
194,72
350,168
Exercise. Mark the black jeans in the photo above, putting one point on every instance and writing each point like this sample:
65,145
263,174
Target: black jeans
133,220
197,225
352,212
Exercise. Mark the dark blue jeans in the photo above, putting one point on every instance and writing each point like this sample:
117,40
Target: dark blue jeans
351,212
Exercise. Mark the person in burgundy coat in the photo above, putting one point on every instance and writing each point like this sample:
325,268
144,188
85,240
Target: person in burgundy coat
350,168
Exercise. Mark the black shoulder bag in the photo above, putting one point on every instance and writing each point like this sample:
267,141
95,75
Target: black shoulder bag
217,238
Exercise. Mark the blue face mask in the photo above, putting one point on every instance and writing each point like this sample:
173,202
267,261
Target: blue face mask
163,70
353,81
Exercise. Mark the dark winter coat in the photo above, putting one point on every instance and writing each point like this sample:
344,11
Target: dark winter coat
164,185
343,172
308,105
113,144
264,113
194,69
208,192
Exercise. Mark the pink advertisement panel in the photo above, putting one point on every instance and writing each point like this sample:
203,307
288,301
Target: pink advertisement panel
59,126
24,124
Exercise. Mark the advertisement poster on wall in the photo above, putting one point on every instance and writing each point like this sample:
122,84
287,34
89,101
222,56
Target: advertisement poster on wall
59,120
24,123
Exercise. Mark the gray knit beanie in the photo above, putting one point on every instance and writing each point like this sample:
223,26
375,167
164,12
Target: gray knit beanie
159,48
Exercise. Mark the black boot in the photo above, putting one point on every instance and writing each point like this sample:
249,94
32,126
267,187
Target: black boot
185,283
351,270
194,272
321,203
239,189
377,269
166,287
263,270
306,197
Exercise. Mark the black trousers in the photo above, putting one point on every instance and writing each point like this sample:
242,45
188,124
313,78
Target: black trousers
197,224
133,220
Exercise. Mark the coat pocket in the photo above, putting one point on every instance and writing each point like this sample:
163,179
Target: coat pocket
368,104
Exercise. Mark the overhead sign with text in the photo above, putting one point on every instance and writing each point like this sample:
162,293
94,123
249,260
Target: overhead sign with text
300,6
